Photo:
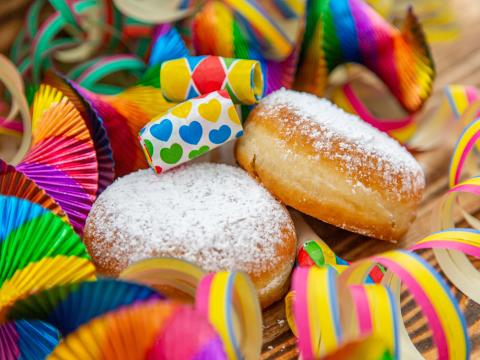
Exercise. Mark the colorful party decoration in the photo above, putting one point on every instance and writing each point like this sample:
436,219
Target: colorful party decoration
96,127
123,116
190,129
153,330
214,294
27,340
339,32
185,78
14,183
62,159
223,30
11,78
69,306
38,251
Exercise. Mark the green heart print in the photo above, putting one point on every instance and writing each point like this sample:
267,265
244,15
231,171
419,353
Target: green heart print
196,153
172,154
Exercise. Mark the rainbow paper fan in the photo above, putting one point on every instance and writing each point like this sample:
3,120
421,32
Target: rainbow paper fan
62,159
95,124
37,251
124,115
350,31
14,183
152,330
27,340
69,306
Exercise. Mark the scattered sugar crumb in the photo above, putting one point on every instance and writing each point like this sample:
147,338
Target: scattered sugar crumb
214,215
280,322
270,347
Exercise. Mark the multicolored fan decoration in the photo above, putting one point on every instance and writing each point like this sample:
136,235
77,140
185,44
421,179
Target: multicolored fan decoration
14,183
151,330
124,115
62,159
346,31
38,251
95,125
27,340
69,306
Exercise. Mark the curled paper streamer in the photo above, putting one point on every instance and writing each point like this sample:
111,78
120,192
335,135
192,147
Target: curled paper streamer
155,11
324,319
189,130
460,104
185,78
13,81
346,31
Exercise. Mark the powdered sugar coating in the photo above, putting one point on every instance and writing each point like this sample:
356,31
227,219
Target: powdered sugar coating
213,215
336,134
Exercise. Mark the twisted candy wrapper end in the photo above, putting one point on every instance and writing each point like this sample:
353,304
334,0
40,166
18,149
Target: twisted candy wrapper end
189,130
185,78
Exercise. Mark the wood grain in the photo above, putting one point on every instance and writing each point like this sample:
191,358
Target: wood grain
457,62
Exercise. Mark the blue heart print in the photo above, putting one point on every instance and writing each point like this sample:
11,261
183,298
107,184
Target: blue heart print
191,133
221,135
162,131
239,134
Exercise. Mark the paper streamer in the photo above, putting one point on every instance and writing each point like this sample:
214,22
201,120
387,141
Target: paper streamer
346,31
189,130
321,293
185,78
13,81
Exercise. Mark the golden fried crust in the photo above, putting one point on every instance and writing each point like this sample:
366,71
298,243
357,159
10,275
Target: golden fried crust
365,200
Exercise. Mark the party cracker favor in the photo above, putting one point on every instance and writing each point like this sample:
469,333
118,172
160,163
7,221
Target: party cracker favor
189,130
188,77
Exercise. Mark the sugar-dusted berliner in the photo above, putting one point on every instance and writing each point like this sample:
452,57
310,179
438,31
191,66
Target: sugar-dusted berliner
216,216
331,165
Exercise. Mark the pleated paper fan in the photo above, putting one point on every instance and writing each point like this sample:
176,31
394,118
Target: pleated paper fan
69,306
37,251
14,183
27,340
96,127
62,159
119,133
148,98
152,330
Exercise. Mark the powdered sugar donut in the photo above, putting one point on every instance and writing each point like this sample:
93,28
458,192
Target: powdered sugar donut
331,165
216,216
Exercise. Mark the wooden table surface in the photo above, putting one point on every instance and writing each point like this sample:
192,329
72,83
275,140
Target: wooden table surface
457,62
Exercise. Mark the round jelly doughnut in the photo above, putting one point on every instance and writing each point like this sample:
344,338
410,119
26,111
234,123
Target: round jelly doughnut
214,215
331,165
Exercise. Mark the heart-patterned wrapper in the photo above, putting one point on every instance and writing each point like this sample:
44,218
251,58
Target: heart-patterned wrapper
189,130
